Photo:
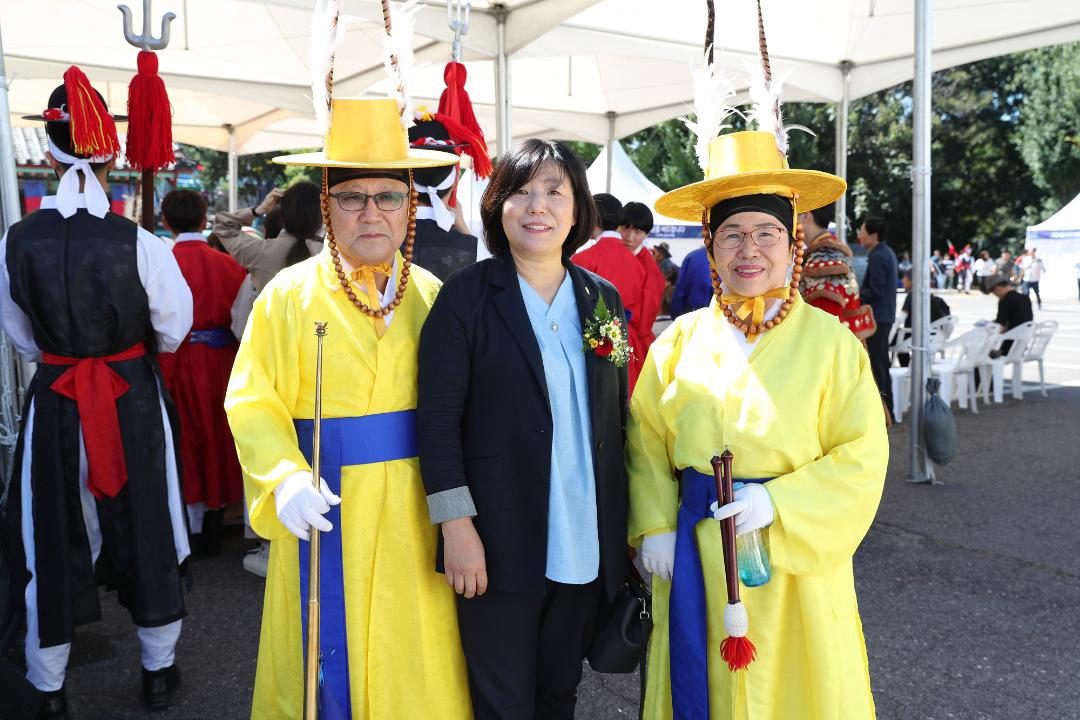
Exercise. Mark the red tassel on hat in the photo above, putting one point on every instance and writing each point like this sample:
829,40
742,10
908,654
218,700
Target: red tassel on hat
93,131
149,138
456,113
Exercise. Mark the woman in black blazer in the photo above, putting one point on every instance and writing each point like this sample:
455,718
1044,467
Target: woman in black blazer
521,433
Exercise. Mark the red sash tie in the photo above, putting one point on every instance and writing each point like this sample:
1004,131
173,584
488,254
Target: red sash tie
95,387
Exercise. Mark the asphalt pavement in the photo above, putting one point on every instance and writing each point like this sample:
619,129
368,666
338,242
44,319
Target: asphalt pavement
969,591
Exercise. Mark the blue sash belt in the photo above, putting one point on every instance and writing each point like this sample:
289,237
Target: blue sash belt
217,338
345,441
687,616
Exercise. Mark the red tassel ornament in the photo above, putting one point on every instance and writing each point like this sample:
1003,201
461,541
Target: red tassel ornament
149,138
456,114
93,131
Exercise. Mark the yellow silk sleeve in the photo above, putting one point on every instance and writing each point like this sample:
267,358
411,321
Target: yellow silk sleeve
825,508
259,402
654,495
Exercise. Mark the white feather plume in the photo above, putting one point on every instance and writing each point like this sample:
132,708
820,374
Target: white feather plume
398,55
714,103
766,111
327,32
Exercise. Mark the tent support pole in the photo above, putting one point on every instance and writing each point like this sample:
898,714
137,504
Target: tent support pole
842,108
14,371
920,469
502,83
233,168
610,148
9,183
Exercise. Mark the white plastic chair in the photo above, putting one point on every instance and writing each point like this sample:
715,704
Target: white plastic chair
963,355
899,342
943,327
993,371
900,377
1034,352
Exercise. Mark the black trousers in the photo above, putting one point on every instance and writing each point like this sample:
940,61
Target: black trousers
877,345
524,653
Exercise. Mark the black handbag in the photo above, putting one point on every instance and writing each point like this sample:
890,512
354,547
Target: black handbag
622,629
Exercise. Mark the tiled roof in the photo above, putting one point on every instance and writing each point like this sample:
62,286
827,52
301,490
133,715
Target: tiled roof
30,146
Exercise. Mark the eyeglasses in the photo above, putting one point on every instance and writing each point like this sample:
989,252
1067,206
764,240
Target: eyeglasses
762,237
357,201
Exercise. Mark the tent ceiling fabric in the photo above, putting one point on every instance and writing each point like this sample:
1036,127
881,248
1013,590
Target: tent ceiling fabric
574,62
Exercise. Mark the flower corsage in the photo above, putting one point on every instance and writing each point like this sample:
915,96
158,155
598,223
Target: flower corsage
606,336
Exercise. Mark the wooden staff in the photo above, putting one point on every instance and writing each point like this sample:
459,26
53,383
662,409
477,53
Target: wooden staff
736,649
311,669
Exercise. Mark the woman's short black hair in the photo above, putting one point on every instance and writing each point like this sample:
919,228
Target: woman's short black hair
517,168
184,210
301,211
638,216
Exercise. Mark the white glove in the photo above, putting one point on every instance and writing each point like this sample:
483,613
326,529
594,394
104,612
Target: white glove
752,508
658,555
300,506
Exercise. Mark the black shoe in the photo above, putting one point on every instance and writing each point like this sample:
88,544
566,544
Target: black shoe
159,686
53,705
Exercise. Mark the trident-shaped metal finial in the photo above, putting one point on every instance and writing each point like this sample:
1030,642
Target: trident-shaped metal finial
146,41
457,17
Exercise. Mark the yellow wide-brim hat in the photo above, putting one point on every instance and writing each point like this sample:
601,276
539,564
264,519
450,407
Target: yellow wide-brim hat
749,163
367,133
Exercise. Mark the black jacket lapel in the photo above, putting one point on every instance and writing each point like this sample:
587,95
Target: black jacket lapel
511,306
587,294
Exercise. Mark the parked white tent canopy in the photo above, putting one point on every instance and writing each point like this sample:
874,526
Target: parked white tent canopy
1057,241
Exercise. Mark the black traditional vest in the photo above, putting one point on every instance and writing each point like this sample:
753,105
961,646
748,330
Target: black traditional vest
78,282
442,252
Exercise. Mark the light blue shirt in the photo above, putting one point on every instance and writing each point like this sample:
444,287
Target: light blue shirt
573,546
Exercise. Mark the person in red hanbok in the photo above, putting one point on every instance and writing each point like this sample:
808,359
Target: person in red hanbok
636,224
609,258
197,374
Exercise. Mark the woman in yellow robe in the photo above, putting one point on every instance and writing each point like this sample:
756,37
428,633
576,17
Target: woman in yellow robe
789,391
395,617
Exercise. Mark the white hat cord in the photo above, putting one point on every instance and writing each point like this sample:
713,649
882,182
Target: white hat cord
442,215
67,194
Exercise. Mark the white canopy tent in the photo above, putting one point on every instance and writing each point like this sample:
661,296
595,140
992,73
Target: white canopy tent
624,180
1057,241
580,69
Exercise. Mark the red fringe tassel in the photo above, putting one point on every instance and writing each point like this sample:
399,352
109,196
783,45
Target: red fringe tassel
149,138
93,131
738,652
456,113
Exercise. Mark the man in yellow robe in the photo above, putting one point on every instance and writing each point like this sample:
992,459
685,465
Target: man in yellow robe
790,392
389,640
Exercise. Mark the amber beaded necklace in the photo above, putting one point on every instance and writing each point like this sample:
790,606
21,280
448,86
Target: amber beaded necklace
745,326
410,238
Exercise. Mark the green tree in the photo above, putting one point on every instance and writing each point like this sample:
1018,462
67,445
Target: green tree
665,154
1049,81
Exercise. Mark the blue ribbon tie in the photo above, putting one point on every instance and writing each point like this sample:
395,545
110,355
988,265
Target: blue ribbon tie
687,614
344,442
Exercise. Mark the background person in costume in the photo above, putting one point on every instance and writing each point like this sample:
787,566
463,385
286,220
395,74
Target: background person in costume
389,638
609,258
808,439
520,428
97,486
444,242
197,373
828,282
634,226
